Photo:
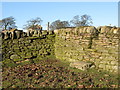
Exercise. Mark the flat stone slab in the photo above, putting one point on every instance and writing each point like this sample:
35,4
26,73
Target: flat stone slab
81,65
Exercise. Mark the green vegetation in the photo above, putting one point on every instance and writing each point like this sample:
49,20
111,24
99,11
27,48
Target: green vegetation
30,62
55,74
19,50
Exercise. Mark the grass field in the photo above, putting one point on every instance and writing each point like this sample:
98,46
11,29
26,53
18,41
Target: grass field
55,74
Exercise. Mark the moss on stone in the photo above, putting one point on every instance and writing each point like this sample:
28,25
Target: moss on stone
9,63
66,44
6,84
17,60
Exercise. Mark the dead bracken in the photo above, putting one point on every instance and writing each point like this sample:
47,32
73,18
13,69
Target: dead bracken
55,75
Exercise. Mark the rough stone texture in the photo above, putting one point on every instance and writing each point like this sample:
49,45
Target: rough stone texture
72,44
81,65
14,57
28,48
69,44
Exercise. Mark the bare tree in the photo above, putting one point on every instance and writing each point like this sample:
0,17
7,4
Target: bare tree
76,21
31,24
84,20
7,23
59,24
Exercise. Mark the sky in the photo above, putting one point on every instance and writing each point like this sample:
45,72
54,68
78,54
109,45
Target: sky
102,13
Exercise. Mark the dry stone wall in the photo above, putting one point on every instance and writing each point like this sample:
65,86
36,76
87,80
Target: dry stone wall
98,46
28,49
72,44
106,55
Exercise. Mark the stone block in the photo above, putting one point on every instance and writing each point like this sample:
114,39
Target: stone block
108,67
28,55
35,33
109,58
104,61
44,32
51,32
114,62
14,56
115,68
102,66
81,65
